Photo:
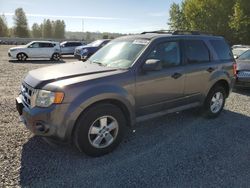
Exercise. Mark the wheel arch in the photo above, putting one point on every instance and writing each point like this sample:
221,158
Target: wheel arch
22,53
224,84
129,114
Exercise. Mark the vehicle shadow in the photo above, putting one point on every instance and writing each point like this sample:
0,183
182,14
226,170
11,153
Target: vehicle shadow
242,91
171,148
68,57
37,61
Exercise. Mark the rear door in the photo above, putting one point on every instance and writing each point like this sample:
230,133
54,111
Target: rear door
46,49
199,67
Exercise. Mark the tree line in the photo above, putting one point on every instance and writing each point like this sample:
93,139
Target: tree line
228,18
47,29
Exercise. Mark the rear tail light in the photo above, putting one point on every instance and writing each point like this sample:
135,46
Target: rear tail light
235,69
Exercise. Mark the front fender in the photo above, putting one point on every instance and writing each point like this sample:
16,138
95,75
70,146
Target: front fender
98,94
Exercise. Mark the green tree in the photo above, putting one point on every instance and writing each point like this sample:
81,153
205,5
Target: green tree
47,31
177,19
240,22
36,31
59,29
20,23
3,27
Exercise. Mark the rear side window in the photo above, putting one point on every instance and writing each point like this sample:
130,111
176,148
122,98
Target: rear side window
222,49
196,51
46,45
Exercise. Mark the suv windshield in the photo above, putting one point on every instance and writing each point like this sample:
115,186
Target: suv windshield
119,54
96,43
245,56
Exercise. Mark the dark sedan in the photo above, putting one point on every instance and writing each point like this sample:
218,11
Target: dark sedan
243,70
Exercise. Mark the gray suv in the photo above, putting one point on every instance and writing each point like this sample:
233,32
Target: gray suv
131,79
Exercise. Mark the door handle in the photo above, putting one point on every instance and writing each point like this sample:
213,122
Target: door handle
176,75
210,69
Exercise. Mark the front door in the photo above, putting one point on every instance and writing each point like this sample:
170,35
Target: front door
162,89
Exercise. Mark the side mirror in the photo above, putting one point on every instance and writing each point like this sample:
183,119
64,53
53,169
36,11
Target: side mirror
236,57
152,65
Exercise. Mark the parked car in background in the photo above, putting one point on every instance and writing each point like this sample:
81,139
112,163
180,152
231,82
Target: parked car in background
239,49
68,47
243,70
36,49
132,79
84,52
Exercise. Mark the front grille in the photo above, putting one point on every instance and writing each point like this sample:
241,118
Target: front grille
27,92
243,74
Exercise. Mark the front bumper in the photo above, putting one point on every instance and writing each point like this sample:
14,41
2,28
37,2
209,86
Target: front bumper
243,80
242,83
77,56
47,122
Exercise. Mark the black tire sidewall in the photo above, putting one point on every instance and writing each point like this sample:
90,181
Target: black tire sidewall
207,110
85,121
21,58
53,58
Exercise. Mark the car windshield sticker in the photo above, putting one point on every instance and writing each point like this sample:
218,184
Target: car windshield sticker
141,42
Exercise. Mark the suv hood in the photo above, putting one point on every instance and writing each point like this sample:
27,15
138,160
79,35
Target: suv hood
243,64
85,47
17,47
40,77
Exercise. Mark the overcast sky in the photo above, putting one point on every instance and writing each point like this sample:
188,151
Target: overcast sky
123,16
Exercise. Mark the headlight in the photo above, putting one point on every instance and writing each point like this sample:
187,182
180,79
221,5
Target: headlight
84,51
45,98
13,50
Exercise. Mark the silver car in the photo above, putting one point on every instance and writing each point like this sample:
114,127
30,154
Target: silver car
68,47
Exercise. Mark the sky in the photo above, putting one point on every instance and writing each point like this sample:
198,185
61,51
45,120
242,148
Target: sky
122,16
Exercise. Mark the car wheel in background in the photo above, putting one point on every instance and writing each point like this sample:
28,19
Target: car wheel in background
214,102
55,57
22,57
99,130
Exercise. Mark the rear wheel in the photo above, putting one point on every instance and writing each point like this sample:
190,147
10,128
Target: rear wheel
99,130
55,57
215,102
21,57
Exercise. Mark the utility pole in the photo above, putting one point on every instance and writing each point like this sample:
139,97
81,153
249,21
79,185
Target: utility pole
83,29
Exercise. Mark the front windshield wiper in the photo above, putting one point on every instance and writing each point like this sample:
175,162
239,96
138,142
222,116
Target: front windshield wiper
99,63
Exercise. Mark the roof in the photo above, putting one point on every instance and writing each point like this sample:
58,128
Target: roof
41,41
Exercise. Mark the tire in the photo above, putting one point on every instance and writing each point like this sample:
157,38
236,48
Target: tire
55,57
21,57
215,102
99,130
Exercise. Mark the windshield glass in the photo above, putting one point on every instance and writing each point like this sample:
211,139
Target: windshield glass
29,44
119,54
96,43
245,55
238,52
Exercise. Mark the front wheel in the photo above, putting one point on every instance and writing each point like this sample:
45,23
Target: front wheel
99,130
22,57
214,102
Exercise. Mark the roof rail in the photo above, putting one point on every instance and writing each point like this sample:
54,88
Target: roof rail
177,32
159,32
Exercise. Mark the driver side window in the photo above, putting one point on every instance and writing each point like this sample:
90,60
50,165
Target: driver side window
34,45
168,53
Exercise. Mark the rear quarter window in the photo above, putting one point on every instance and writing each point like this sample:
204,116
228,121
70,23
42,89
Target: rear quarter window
222,49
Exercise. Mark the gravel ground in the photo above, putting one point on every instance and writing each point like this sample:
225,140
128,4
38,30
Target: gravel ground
178,150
